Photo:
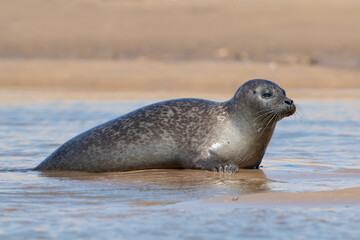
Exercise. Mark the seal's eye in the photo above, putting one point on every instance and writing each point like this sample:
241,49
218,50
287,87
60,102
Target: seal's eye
267,95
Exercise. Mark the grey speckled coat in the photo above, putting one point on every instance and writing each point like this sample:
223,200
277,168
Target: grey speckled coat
182,133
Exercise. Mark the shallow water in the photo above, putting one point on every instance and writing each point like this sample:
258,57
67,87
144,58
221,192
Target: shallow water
319,151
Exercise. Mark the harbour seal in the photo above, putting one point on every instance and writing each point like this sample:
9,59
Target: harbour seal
182,133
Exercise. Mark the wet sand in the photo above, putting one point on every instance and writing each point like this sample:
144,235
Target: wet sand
344,197
253,185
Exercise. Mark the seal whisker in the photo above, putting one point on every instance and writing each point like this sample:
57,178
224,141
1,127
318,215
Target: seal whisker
274,116
266,121
262,115
299,115
278,118
270,114
274,120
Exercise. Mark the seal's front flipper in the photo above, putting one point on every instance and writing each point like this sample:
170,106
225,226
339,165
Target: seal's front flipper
226,167
217,166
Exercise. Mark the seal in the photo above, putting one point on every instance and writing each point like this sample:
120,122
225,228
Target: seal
182,133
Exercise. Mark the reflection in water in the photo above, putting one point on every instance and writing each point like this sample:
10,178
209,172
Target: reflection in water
246,181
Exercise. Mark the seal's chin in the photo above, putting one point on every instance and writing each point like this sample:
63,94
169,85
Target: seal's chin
288,111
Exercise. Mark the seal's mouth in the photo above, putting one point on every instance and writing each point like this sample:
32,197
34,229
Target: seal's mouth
290,107
270,117
289,111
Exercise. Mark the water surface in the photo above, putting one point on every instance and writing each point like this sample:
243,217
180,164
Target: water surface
319,151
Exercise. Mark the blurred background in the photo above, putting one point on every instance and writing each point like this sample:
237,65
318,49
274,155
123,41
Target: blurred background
69,65
177,48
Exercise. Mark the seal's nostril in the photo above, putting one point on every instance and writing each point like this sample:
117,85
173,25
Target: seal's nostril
288,101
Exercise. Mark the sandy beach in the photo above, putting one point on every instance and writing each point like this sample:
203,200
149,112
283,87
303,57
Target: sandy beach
161,49
290,32
150,79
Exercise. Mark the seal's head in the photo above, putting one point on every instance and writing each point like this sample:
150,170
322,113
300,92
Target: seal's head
263,100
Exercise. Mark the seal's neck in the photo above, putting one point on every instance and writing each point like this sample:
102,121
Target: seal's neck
255,121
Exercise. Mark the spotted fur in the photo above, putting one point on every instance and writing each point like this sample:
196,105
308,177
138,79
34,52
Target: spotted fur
181,133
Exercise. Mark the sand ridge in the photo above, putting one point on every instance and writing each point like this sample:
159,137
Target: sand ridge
149,79
347,197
